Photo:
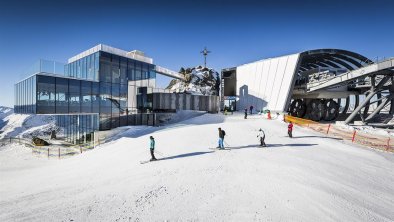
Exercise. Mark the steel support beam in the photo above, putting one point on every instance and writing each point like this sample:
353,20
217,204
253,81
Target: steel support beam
380,107
366,108
391,90
356,101
346,108
373,91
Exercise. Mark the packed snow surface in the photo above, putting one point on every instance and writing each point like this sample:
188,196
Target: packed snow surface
307,178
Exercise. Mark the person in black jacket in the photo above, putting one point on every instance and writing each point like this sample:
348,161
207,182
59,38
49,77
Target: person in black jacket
246,113
221,138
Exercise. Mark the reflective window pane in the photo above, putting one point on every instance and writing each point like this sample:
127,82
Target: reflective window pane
62,95
95,97
115,69
74,93
105,67
123,71
86,95
45,94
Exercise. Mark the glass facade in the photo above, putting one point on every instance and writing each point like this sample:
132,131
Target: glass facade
114,73
86,68
25,96
96,83
57,95
78,128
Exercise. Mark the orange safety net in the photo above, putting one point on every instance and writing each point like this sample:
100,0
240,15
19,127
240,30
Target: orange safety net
356,136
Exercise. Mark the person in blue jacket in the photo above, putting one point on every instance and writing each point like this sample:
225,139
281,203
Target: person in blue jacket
152,148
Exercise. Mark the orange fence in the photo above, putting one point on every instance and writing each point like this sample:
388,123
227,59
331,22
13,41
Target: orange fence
355,136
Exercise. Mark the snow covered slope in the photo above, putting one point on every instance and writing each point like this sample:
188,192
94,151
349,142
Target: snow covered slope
306,178
4,112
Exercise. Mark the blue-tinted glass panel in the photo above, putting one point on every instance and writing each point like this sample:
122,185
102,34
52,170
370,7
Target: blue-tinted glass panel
105,121
90,66
105,68
34,94
145,72
83,68
62,95
152,73
75,96
95,97
131,70
45,94
96,65
115,105
78,65
86,95
123,70
115,69
123,96
138,71
105,97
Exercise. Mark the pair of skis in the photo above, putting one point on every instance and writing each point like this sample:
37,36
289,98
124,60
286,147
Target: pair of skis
148,161
219,148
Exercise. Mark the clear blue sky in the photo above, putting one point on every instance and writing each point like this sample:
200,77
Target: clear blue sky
174,32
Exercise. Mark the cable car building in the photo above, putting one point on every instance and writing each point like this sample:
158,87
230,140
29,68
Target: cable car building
315,84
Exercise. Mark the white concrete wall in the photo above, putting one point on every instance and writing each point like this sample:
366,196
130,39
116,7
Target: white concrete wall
266,83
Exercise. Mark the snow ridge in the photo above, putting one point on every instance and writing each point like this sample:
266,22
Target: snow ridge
198,81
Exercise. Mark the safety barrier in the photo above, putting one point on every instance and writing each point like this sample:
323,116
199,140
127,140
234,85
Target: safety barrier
53,150
355,136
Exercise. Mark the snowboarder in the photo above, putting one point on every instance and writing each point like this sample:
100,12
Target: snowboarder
290,129
251,110
152,148
221,138
261,136
246,113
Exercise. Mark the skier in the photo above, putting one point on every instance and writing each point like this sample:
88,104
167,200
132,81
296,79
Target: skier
221,138
251,109
261,136
152,148
290,129
246,113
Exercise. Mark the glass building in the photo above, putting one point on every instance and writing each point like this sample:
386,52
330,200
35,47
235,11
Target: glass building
78,128
102,82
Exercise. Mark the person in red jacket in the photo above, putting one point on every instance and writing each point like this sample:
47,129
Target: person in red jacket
290,129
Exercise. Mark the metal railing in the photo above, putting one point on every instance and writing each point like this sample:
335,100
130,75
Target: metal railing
52,150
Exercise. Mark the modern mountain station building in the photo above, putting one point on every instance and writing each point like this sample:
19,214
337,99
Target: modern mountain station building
315,84
102,88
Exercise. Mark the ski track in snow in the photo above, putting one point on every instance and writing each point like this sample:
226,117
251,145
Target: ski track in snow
307,178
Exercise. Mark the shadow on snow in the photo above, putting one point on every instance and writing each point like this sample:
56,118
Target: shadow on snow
323,137
271,145
184,155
